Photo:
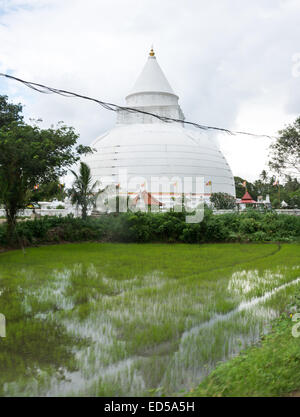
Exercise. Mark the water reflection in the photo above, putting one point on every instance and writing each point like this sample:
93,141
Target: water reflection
147,332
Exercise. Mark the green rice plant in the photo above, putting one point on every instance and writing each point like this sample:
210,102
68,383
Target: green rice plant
132,319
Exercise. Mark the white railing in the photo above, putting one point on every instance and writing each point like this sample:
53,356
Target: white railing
45,212
293,212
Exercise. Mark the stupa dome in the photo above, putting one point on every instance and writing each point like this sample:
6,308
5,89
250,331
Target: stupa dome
147,147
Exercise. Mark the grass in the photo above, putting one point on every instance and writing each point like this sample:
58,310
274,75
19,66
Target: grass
134,319
270,368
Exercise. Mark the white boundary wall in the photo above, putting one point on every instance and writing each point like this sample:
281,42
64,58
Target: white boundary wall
77,213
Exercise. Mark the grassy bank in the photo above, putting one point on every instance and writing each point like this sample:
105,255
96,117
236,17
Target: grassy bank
106,319
271,368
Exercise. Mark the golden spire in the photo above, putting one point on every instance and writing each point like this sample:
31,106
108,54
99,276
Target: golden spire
151,53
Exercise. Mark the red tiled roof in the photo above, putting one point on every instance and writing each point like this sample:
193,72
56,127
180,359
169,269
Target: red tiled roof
247,199
148,199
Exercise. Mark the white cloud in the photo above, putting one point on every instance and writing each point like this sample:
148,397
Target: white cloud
230,62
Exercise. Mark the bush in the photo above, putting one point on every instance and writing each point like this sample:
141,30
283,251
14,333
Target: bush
249,225
158,227
222,201
53,229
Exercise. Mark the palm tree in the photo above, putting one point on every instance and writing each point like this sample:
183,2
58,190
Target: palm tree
83,193
264,176
264,182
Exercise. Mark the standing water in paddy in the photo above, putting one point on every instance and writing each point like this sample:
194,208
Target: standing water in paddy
101,319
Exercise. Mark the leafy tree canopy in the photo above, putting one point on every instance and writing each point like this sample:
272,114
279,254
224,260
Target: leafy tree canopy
240,189
285,152
29,156
50,191
9,112
83,192
222,201
288,189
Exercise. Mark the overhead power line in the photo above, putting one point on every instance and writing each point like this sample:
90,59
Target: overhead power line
114,107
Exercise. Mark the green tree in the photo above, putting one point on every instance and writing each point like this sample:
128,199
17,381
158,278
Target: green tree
251,188
285,152
83,192
264,176
30,156
291,184
239,189
9,112
222,201
50,191
262,186
293,199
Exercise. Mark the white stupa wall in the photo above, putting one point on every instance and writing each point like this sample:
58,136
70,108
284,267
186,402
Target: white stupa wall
148,148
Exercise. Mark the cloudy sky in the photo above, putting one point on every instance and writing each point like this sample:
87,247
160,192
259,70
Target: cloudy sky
233,63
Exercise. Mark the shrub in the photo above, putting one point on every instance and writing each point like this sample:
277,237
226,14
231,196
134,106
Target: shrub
158,227
249,225
222,201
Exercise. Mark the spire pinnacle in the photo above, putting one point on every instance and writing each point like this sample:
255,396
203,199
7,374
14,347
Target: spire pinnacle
151,53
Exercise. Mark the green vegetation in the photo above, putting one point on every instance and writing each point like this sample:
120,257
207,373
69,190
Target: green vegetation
113,319
83,192
250,226
53,190
287,190
130,319
284,161
285,152
271,368
30,156
34,348
222,201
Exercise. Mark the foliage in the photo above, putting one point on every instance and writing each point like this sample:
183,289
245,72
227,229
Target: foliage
83,192
285,152
148,306
268,369
288,190
222,201
33,345
53,190
249,226
9,112
293,199
240,189
29,156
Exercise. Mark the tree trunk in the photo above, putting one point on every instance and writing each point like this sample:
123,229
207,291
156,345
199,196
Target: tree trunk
84,212
11,214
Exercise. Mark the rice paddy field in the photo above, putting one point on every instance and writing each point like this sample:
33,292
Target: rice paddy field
100,319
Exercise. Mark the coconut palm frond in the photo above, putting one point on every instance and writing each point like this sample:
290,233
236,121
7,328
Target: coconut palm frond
83,192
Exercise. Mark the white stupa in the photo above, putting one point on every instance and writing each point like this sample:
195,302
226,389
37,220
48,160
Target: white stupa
151,151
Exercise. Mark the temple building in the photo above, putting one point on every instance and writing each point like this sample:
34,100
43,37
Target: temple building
161,158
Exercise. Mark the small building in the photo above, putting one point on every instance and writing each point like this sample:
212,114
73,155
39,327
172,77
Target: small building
144,199
246,201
